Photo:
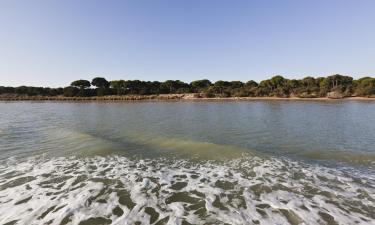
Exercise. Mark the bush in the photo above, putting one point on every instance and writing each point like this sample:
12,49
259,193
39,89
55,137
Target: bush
70,91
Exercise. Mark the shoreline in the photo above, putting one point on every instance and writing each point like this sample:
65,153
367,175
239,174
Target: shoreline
167,97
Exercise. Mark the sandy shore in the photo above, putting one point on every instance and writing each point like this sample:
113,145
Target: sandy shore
165,97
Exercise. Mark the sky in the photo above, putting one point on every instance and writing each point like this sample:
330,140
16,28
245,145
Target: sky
52,43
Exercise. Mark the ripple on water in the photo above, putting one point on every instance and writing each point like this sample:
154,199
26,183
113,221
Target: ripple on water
119,190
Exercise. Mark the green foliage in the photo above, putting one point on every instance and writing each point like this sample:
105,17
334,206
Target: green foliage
336,83
251,84
200,85
119,86
70,91
276,86
100,82
81,84
174,86
31,91
102,86
365,86
279,86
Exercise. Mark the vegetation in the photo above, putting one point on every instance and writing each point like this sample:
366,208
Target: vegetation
82,85
277,86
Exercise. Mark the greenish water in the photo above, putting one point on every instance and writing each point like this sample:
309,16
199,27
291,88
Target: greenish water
258,162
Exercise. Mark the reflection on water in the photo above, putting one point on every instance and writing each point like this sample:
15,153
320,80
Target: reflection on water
187,163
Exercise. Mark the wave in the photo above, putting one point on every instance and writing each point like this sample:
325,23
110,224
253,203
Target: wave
119,190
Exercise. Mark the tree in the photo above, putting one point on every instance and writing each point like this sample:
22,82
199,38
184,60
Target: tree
251,84
309,82
70,91
55,91
100,82
82,85
236,84
119,86
174,86
220,87
7,90
277,81
365,86
309,85
248,89
22,90
337,83
294,84
133,86
279,86
154,87
102,85
276,86
200,85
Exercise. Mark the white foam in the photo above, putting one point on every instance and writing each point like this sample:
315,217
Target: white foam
239,191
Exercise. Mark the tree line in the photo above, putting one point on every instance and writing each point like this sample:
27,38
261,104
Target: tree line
277,86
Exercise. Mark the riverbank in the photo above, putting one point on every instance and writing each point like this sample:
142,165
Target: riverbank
162,97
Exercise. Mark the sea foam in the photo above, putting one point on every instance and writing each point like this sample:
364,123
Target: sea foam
120,190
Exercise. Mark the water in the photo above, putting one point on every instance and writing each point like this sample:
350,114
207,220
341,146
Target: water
259,162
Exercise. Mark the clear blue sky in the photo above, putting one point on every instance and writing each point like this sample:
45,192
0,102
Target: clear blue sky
51,43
